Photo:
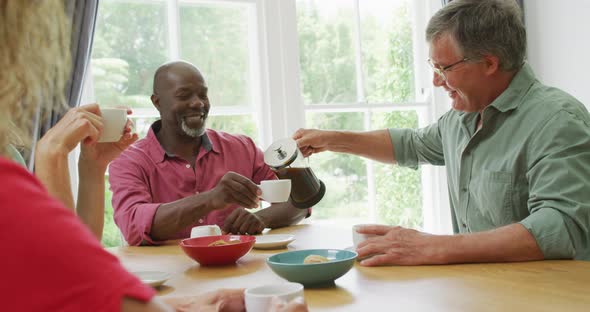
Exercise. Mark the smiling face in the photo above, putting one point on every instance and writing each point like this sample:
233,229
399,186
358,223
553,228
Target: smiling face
180,95
466,82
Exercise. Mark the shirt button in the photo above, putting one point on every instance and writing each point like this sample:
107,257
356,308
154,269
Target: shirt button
188,166
200,220
464,189
464,225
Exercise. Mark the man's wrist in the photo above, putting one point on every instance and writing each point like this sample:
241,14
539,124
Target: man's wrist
443,247
206,201
265,219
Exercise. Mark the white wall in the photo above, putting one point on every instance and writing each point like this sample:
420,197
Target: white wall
559,45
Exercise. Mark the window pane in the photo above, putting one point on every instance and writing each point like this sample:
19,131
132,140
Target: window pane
345,176
237,124
388,57
215,39
110,232
398,189
142,125
129,44
326,51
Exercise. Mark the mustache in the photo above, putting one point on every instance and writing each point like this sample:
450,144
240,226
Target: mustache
196,113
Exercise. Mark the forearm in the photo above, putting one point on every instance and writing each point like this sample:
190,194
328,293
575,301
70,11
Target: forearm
91,189
506,244
51,168
281,214
375,145
175,216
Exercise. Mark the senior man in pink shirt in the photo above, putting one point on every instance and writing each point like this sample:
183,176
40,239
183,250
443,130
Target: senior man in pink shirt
183,175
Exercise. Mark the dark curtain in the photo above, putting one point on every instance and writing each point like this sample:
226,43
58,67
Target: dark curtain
82,14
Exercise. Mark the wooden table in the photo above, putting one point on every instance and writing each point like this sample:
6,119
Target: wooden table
530,286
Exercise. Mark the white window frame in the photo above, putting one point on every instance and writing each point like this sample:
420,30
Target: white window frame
287,114
278,106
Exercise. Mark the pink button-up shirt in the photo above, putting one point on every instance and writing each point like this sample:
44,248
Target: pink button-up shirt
145,176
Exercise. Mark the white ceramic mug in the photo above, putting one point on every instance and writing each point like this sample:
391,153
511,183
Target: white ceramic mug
114,120
205,230
357,237
259,298
275,191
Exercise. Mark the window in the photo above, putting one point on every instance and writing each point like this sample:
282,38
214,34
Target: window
357,73
275,66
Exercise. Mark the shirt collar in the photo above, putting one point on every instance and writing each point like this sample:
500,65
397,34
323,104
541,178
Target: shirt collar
157,152
519,86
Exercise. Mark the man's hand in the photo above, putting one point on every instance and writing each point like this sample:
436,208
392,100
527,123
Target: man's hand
241,221
397,246
233,189
311,141
220,300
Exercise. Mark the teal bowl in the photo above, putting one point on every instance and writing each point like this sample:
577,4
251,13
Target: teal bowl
289,265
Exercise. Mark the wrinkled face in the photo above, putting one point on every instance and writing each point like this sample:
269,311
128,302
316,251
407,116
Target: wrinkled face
182,101
463,82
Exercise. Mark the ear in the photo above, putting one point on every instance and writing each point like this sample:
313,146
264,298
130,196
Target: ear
156,101
492,64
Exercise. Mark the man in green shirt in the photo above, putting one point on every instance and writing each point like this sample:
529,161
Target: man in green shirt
516,152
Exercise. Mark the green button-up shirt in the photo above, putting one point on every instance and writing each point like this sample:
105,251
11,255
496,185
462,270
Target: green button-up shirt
529,163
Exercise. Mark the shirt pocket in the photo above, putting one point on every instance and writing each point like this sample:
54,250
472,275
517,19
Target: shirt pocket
493,196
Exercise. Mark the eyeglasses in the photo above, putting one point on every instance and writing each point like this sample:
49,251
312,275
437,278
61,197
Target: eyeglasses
441,70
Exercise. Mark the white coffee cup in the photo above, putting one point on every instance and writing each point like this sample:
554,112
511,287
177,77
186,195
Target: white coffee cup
275,191
259,298
357,237
205,230
114,120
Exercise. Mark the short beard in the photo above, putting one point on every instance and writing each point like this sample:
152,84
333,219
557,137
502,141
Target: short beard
194,133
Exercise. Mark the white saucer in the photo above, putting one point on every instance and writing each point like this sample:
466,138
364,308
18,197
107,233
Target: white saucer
152,278
273,241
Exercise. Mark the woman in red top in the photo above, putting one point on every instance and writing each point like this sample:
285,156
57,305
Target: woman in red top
51,261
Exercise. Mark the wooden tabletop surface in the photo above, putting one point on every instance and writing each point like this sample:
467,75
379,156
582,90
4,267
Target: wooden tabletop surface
529,286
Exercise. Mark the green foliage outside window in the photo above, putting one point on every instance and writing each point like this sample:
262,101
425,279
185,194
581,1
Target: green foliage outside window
328,76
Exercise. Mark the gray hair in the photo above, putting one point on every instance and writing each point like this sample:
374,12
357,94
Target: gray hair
483,27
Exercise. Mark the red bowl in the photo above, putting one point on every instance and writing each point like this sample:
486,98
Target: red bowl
199,250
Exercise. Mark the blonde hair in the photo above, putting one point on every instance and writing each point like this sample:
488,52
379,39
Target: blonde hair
34,65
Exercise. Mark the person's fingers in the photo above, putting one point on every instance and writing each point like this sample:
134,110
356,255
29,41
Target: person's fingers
374,229
369,248
250,186
93,108
255,227
245,225
240,221
306,151
277,304
229,221
234,227
242,201
128,126
126,140
296,305
298,134
242,194
88,131
378,260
